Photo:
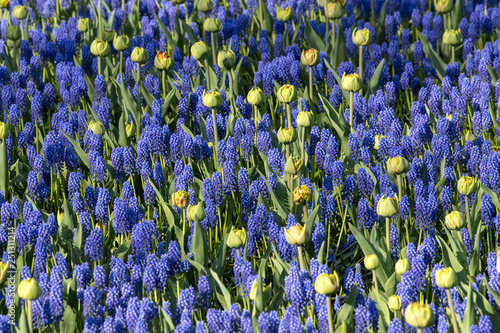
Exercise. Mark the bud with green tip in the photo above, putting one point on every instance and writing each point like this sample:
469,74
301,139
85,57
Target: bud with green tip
212,99
351,82
419,315
100,48
452,37
302,195
236,238
446,278
394,303
20,12
205,6
13,32
226,60
334,11
293,165
255,96
285,14
361,37
287,93
196,212
139,55
397,165
287,135
4,268
387,207
108,35
467,185
402,266
180,199
29,289
163,61
443,6
310,57
200,50
455,220
305,118
371,262
83,25
327,284
96,127
121,42
212,25
296,235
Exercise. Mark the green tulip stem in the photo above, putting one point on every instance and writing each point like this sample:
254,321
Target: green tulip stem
334,32
205,62
373,12
351,104
302,146
99,65
327,29
289,115
238,252
330,314
139,98
121,68
261,16
216,135
375,281
22,29
255,111
400,191
100,19
361,68
183,220
230,75
29,314
304,212
301,258
214,48
285,39
467,214
203,30
452,311
123,11
164,82
387,233
341,232
310,83
453,54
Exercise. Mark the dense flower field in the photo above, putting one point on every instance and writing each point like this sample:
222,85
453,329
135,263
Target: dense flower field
249,166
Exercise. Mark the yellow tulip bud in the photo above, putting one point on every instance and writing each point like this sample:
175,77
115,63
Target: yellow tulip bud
293,165
29,289
139,55
443,6
163,61
83,25
196,212
255,96
285,14
467,185
108,35
387,207
302,195
310,57
305,118
205,6
287,135
455,220
100,48
352,82
371,262
397,165
212,99
4,3
287,93
200,50
327,284
180,199
452,37
96,127
266,291
402,266
378,137
226,60
296,235
419,315
212,25
130,130
446,278
121,42
334,11
361,37
394,303
236,238
4,132
4,268
20,12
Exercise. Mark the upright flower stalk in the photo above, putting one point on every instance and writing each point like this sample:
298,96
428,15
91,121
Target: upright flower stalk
351,83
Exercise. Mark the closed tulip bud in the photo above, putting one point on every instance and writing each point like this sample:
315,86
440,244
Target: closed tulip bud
200,50
378,137
287,135
236,238
180,199
397,165
287,93
387,207
100,48
455,220
4,268
302,195
96,127
443,6
402,266
178,2
205,6
419,315
285,14
296,235
394,303
60,216
130,130
371,262
293,165
4,131
212,99
452,37
212,25
361,37
108,35
4,3
83,25
20,12
121,42
139,55
334,11
226,60
29,289
305,118
255,96
13,32
351,82
196,212
266,291
327,284
310,57
163,61
467,185
446,278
